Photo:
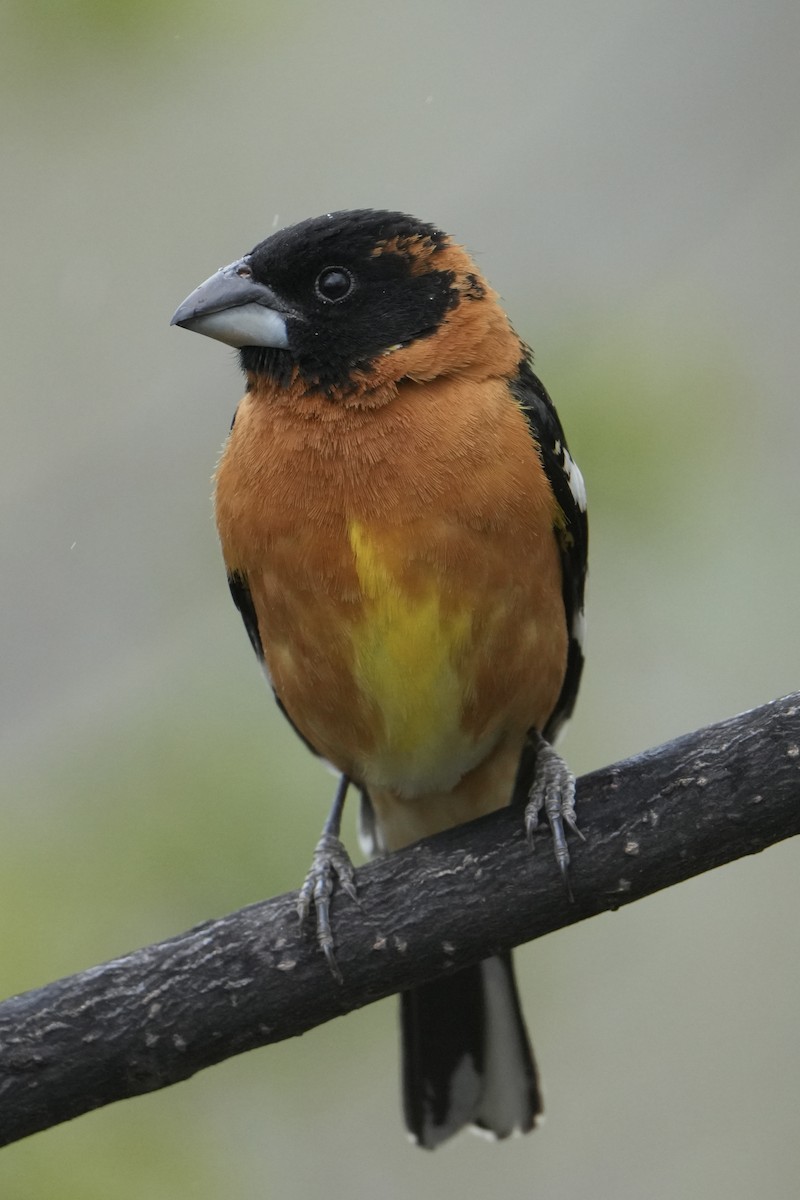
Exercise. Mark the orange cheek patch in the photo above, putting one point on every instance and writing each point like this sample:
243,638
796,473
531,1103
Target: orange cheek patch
422,254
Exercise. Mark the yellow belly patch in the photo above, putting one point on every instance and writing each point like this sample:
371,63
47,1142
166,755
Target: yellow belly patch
410,652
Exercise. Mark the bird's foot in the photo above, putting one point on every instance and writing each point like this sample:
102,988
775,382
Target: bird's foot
553,789
331,863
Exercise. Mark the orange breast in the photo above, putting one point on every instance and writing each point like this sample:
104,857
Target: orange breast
405,574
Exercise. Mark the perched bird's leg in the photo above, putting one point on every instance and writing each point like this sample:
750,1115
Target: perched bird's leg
552,789
330,862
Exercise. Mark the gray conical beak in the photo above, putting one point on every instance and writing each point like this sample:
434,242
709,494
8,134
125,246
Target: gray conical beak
233,308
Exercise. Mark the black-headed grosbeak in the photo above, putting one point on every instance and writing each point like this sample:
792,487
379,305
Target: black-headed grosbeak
405,536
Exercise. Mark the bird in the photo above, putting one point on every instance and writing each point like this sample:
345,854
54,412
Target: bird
405,537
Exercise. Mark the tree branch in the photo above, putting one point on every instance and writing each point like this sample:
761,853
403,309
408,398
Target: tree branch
158,1015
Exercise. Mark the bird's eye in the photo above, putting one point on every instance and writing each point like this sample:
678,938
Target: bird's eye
334,283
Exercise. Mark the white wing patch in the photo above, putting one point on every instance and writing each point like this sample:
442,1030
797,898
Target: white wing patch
574,478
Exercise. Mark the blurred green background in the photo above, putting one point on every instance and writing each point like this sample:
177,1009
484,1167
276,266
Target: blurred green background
627,175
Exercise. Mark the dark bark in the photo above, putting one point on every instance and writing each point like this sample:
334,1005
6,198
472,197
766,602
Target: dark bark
158,1015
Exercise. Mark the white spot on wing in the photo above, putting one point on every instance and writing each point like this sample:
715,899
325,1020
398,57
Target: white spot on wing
574,479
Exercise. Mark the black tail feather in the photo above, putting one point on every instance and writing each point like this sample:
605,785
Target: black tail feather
466,1056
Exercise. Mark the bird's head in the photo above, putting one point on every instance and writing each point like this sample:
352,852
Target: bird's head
351,302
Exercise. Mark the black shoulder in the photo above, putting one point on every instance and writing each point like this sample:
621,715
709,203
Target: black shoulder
571,527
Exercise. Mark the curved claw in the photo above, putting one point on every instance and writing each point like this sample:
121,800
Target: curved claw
330,863
553,789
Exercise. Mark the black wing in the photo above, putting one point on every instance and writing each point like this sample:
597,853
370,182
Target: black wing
571,528
240,591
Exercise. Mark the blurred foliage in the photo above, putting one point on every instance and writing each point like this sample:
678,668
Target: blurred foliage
166,816
161,824
642,419
95,20
63,37
47,27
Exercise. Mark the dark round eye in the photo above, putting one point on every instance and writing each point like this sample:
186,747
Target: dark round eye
334,283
